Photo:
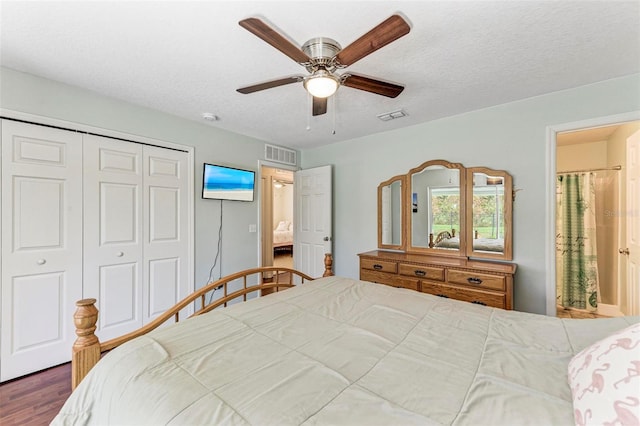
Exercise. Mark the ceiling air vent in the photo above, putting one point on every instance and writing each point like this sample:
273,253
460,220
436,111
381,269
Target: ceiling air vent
280,155
388,116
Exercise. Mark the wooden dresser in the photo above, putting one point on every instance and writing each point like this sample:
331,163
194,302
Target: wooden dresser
482,282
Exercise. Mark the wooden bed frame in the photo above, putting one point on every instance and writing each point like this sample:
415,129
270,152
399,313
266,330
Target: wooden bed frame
87,349
283,246
442,235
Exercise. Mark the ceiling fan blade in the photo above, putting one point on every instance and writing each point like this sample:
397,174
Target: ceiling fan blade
378,87
319,106
268,34
270,84
390,30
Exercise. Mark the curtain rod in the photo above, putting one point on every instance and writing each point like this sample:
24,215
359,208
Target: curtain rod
592,170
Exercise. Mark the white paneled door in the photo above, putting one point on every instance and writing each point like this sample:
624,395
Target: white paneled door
165,235
632,249
113,233
86,216
41,245
136,243
312,219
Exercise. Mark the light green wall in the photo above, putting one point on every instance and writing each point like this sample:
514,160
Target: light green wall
27,93
512,136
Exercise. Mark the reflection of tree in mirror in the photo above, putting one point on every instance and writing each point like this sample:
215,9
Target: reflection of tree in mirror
445,212
487,215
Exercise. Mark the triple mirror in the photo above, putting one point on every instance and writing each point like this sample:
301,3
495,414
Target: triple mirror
443,208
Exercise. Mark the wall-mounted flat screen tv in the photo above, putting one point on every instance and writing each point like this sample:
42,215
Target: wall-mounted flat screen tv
227,183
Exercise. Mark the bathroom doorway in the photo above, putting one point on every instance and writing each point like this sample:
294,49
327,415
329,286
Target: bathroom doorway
591,225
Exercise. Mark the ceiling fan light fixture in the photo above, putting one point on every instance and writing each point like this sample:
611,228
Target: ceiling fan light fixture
321,84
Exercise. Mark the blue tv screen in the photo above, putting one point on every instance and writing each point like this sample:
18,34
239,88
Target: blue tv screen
227,183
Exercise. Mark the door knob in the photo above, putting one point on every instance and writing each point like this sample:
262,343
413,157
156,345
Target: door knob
41,261
327,238
624,251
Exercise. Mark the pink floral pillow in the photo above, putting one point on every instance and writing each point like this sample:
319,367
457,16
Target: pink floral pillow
605,380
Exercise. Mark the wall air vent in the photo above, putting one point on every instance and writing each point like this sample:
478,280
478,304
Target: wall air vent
280,155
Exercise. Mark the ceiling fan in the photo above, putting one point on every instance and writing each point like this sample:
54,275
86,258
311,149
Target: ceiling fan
322,57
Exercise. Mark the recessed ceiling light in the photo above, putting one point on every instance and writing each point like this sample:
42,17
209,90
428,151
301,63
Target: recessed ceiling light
209,116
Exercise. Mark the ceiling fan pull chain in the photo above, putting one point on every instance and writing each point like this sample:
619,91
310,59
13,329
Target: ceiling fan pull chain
334,101
309,106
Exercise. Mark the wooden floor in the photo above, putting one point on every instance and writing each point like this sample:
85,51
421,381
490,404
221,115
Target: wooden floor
35,399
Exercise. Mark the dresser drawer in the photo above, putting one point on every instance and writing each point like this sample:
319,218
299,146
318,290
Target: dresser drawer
389,279
427,272
485,298
494,282
377,277
379,265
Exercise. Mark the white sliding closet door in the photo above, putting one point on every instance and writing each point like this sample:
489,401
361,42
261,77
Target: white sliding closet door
166,249
86,216
113,233
136,235
41,246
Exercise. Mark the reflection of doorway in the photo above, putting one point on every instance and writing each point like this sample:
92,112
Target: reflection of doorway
277,217
596,153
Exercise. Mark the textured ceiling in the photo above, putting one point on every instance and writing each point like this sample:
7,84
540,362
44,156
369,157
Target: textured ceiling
186,58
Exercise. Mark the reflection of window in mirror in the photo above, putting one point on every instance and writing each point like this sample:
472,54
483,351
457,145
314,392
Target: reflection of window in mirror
435,205
488,213
445,215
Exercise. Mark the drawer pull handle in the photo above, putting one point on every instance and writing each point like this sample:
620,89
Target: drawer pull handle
419,273
377,267
477,302
474,280
442,295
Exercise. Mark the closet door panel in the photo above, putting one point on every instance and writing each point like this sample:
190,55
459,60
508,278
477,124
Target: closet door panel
41,246
165,232
33,295
113,233
118,286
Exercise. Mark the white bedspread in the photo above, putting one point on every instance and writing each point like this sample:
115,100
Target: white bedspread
283,237
342,352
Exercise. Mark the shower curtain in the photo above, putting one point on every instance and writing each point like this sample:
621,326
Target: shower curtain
576,257
607,228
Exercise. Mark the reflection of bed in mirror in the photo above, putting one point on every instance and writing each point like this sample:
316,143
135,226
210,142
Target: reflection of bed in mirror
441,236
495,245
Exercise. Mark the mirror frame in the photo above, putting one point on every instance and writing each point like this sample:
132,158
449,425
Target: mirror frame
507,214
403,206
466,214
461,251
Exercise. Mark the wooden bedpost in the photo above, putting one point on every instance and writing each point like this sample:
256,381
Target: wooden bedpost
86,349
328,265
